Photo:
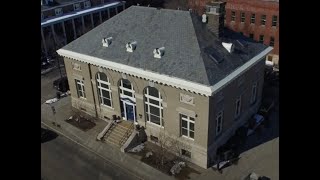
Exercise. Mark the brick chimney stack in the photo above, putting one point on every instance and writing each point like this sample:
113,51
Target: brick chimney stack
215,11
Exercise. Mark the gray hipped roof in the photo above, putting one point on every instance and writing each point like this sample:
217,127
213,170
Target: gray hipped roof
187,41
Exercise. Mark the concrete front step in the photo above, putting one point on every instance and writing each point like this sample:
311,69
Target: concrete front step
117,133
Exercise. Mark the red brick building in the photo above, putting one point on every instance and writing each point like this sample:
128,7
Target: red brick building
258,19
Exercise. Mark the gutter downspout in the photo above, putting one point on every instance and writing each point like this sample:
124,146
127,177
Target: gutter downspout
94,98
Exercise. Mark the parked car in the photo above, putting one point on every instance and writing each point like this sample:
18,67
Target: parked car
255,123
47,135
265,108
254,176
61,84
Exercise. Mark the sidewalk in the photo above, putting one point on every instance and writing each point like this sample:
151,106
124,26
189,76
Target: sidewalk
88,140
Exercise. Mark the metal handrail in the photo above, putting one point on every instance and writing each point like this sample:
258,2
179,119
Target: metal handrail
127,134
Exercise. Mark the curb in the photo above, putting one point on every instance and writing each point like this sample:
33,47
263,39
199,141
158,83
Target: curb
89,149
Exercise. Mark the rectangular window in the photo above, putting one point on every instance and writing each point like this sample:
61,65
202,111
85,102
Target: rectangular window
187,126
238,107
58,11
87,4
263,19
251,36
80,88
274,21
243,17
233,15
76,6
153,138
272,41
253,93
219,119
253,18
261,39
186,153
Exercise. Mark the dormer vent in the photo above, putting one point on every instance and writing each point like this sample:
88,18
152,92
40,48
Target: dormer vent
158,52
229,46
106,42
131,46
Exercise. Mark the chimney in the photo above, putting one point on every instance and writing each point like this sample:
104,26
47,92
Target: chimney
215,11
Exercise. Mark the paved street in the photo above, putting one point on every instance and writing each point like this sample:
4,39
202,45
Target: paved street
62,159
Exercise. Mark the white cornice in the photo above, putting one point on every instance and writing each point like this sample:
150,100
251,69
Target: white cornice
161,78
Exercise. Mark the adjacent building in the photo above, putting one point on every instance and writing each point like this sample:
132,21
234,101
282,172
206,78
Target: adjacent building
169,71
257,19
62,21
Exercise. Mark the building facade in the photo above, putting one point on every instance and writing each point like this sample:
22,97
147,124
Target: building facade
257,19
63,21
198,100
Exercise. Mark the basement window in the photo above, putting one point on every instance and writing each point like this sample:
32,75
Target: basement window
154,139
186,153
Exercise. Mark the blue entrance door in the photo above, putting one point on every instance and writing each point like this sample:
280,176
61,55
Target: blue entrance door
129,112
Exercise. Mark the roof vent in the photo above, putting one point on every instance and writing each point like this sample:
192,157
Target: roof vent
106,42
204,18
229,46
131,46
158,52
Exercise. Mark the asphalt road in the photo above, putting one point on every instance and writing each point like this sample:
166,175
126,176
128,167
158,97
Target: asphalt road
62,159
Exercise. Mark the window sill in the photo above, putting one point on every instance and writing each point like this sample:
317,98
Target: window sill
83,98
105,106
154,124
186,137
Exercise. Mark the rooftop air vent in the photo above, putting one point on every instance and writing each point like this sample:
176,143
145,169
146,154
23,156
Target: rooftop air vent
158,52
229,46
204,18
131,46
106,42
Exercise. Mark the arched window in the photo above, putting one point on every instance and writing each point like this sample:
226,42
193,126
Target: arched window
153,106
126,89
104,90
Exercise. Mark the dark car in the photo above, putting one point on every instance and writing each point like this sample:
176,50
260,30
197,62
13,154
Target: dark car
47,135
61,84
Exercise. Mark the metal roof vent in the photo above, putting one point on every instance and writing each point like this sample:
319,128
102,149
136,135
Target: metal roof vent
131,46
204,18
158,52
106,42
229,46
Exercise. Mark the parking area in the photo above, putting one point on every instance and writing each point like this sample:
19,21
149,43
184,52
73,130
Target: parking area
47,90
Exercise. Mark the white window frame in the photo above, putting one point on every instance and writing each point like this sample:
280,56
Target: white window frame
233,17
82,88
87,4
242,17
148,104
219,122
253,18
263,21
238,108
274,21
100,89
58,11
254,93
122,89
76,6
189,121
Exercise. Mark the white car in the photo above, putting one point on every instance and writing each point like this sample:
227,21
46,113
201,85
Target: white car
258,119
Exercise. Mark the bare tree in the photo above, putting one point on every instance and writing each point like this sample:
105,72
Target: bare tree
169,147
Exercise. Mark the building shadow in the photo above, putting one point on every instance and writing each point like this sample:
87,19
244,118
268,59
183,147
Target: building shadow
47,135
